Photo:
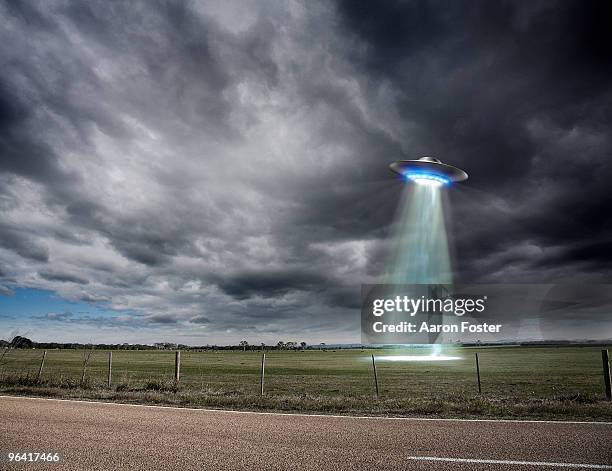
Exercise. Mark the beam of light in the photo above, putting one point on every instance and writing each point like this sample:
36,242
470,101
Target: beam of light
419,252
419,246
427,179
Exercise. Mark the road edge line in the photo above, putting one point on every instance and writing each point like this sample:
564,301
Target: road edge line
299,414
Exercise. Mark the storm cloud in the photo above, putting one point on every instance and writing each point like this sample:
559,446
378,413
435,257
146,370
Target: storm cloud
222,166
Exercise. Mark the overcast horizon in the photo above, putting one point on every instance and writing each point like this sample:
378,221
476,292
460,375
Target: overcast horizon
207,172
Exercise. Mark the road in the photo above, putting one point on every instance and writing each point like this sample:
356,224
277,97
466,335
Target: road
93,436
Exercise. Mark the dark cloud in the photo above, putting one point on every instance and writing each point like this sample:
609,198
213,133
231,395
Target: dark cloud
28,247
224,166
21,152
92,298
78,320
163,319
63,277
270,283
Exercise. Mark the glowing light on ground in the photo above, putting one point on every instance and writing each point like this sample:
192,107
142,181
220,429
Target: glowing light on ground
418,358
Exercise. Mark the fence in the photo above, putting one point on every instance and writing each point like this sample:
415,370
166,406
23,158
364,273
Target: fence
507,372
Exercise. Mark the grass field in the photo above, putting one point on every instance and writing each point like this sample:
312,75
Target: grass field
563,382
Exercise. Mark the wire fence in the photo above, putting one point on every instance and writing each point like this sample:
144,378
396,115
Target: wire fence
505,372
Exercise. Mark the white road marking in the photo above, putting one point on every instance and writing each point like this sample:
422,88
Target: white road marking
291,414
511,462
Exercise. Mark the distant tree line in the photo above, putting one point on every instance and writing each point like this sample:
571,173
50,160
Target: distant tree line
24,342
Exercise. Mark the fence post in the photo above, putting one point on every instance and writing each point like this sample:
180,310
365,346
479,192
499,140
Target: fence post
606,373
263,369
177,366
375,377
42,364
478,374
110,367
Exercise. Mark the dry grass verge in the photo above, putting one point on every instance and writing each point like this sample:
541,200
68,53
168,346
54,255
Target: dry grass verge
575,407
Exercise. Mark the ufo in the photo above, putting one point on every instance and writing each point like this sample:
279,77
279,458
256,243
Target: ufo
428,171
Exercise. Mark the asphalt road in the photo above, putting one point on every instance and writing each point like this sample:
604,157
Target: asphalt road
113,436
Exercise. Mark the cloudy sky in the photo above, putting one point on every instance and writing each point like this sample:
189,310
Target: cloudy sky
204,172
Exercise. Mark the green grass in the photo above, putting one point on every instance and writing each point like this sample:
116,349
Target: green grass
563,382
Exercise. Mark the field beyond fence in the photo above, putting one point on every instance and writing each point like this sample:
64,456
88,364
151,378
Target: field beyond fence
551,382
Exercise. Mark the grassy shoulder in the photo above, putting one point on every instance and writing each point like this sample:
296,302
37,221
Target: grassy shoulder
562,407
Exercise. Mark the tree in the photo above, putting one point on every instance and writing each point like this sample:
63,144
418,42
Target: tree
244,344
86,357
13,342
263,346
280,345
21,342
303,345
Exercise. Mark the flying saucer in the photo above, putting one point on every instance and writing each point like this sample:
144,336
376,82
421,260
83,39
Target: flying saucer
428,171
